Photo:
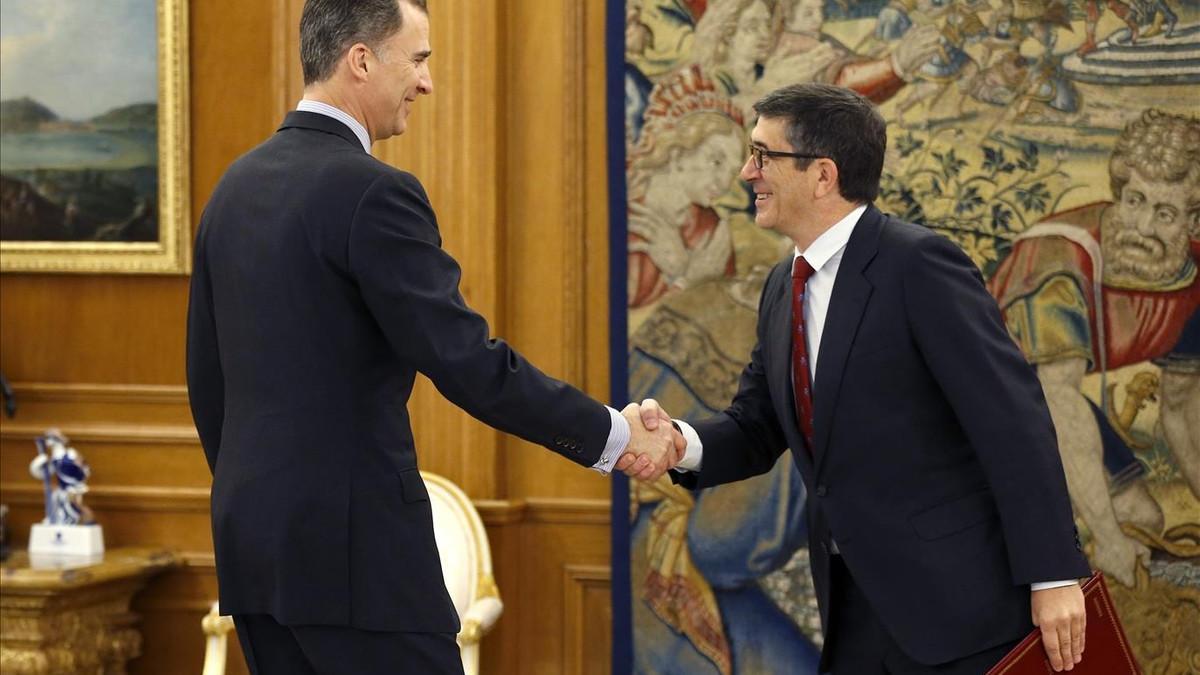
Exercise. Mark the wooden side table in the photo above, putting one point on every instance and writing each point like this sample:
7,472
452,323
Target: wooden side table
73,619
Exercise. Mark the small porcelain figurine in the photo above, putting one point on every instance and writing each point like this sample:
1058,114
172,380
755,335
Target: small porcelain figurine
64,475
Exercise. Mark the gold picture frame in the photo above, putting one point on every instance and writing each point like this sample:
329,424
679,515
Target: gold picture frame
171,253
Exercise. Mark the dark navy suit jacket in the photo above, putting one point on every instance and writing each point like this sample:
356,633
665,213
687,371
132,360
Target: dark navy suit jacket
320,289
935,466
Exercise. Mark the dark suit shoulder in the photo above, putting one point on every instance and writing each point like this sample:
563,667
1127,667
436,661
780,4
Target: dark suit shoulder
330,159
910,245
407,183
896,234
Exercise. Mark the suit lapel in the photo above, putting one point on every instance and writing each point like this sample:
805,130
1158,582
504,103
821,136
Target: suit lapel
779,342
851,290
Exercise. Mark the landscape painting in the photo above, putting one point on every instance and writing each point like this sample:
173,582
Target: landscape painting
93,136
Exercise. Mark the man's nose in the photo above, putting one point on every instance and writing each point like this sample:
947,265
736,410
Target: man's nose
1143,220
749,171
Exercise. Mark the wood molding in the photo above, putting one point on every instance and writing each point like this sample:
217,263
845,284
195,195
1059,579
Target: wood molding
569,511
578,580
120,497
103,408
287,76
497,512
595,335
106,433
54,392
573,222
494,512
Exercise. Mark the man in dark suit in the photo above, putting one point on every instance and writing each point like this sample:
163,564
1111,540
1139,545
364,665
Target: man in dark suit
320,289
939,522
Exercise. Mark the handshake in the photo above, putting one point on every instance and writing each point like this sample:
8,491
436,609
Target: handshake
655,445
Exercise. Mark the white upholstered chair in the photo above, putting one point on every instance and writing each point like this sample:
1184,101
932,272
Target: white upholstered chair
466,564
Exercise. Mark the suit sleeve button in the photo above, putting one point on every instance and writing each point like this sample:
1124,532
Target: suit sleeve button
822,490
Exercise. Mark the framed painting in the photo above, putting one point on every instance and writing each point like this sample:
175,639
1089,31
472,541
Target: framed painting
94,145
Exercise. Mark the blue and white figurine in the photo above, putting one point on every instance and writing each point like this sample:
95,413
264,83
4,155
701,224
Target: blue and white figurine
69,529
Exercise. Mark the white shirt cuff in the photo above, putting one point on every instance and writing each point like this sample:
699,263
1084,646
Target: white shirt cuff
618,439
1047,585
694,454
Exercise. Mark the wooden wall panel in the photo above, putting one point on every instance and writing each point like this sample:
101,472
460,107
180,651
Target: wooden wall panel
557,281
451,145
561,544
511,148
587,614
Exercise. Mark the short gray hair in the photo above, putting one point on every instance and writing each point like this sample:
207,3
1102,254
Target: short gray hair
329,27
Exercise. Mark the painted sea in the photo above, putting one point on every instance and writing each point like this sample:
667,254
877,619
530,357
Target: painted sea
90,180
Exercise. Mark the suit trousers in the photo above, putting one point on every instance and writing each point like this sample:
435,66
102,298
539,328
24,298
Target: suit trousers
859,644
275,649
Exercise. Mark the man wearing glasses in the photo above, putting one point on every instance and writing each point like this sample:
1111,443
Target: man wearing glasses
939,522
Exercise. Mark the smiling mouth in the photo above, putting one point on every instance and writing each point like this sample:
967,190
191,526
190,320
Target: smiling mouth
761,196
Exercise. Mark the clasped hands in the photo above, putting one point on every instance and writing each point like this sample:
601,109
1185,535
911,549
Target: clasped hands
655,445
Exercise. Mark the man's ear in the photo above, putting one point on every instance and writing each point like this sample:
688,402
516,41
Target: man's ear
358,61
827,179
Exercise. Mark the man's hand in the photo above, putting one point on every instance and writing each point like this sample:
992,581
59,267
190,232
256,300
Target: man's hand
649,420
1061,615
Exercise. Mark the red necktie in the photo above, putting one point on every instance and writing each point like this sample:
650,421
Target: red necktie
801,379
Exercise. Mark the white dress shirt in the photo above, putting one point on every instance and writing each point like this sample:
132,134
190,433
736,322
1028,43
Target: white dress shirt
308,105
618,433
825,257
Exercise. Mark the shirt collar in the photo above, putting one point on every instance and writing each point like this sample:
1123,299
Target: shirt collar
832,240
308,105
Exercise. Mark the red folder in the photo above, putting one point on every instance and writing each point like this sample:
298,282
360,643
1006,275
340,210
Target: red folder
1106,650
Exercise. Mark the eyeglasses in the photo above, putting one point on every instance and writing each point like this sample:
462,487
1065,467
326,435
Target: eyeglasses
758,153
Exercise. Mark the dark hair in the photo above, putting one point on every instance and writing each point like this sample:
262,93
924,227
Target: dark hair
329,27
837,123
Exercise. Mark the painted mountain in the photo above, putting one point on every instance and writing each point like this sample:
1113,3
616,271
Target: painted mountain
78,180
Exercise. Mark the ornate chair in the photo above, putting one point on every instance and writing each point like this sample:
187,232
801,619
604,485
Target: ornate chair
466,564
216,634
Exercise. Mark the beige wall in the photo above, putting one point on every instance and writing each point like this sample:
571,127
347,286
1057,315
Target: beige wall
511,149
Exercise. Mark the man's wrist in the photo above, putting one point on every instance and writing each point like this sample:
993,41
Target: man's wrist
618,440
694,454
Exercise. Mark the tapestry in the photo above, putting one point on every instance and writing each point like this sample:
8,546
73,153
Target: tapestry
1056,142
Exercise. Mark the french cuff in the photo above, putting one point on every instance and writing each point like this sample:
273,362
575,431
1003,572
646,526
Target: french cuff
618,440
1047,585
694,454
